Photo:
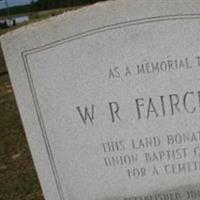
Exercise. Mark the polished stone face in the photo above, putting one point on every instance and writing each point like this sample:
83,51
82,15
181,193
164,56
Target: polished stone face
110,100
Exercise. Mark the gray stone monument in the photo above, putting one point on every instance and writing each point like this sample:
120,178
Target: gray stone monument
109,96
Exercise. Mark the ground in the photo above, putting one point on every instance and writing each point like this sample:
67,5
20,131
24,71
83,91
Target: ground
18,179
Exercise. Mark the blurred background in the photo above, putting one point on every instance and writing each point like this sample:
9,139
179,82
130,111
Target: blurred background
18,179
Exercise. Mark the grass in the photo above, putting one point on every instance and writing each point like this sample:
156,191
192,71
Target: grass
18,178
